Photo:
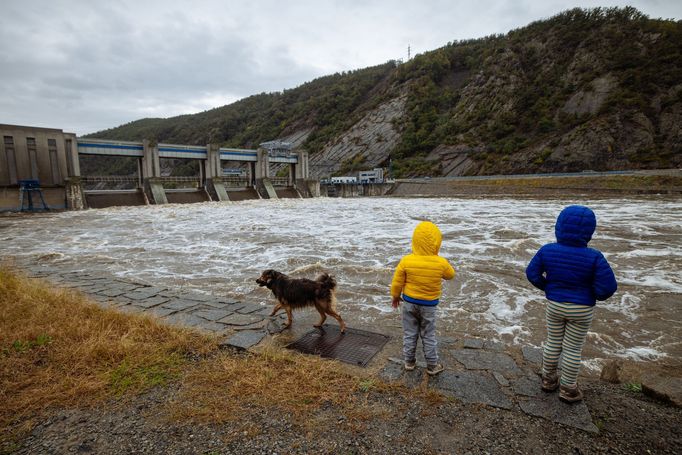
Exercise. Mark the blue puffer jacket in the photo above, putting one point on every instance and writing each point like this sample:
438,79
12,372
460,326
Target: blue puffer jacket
568,271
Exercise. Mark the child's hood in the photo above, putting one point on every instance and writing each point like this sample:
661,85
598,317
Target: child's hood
426,239
575,225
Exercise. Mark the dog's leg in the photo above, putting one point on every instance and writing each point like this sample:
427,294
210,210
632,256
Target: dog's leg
336,316
290,319
322,317
276,309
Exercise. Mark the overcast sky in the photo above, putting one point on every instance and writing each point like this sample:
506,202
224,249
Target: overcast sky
84,66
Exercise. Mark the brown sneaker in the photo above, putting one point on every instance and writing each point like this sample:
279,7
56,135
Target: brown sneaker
433,370
570,394
550,382
409,366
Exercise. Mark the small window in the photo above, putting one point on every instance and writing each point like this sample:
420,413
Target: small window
11,159
54,161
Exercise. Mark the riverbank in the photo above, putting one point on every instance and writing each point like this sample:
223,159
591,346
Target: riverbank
663,183
143,386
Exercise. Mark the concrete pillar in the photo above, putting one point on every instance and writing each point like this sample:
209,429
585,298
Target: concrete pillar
151,165
263,164
313,187
151,173
75,197
252,174
153,189
216,189
140,179
214,184
265,189
302,169
213,165
73,168
263,183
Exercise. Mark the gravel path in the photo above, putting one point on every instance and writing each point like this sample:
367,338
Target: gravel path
629,423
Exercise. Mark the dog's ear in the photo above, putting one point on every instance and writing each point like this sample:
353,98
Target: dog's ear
269,275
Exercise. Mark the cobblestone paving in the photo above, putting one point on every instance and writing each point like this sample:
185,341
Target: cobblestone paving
477,371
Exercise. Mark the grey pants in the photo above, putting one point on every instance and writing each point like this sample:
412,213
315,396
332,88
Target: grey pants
419,320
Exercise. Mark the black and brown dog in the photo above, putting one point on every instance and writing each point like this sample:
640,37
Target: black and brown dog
296,293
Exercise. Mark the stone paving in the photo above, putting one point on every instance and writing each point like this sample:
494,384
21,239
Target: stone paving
477,371
240,325
482,372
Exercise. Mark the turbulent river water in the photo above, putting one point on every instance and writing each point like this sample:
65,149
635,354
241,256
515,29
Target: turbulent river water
221,248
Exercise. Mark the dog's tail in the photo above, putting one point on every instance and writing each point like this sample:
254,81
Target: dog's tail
328,284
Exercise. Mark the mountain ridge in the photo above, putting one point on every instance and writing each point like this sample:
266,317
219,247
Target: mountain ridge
587,89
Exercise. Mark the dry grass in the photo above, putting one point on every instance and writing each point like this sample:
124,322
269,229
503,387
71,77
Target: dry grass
227,388
59,350
625,183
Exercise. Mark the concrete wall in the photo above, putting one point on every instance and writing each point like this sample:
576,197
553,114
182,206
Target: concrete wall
186,197
114,199
376,189
20,161
242,194
55,198
287,193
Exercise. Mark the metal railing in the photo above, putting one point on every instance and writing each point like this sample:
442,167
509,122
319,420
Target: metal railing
279,181
235,182
110,182
173,178
109,179
171,182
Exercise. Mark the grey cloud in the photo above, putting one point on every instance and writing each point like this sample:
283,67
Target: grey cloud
86,66
111,61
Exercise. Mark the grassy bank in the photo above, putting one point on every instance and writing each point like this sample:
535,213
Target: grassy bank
625,183
614,184
59,350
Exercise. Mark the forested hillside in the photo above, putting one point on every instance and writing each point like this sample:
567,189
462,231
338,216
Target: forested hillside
597,89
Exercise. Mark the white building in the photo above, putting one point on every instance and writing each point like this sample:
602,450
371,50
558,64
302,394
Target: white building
344,179
376,175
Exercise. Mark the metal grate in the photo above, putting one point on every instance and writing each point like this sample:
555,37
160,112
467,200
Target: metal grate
356,347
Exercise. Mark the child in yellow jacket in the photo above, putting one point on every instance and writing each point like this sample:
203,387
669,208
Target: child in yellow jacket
417,279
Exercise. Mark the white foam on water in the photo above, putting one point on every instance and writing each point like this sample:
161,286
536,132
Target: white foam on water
223,247
640,353
652,252
627,305
657,280
603,341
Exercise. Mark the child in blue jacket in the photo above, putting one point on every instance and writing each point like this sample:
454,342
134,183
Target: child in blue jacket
573,277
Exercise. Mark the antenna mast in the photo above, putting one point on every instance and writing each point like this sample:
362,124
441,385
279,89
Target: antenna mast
408,51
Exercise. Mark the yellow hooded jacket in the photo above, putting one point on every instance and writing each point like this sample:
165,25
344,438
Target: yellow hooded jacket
418,275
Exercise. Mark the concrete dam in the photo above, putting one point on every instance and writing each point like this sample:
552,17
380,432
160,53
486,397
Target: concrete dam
42,167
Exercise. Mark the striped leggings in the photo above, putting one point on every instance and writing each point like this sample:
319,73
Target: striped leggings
567,326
